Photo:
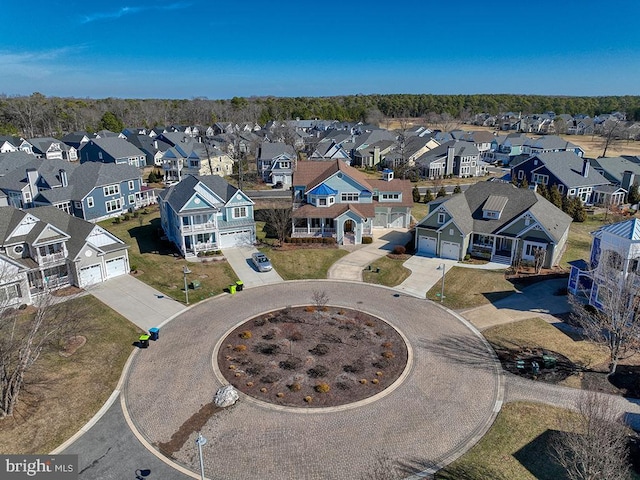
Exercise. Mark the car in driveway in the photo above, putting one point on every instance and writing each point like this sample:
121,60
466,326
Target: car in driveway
261,262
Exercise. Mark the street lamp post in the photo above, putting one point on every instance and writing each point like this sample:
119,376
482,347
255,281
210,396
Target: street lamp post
442,267
185,271
200,441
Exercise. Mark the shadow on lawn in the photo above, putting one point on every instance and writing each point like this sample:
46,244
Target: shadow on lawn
463,350
149,238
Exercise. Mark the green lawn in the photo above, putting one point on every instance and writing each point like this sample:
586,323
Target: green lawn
515,448
468,288
391,272
159,266
300,263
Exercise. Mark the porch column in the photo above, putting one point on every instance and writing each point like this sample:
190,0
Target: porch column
493,246
308,226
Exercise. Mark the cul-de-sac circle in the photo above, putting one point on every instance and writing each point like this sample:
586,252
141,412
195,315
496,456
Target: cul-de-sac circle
420,387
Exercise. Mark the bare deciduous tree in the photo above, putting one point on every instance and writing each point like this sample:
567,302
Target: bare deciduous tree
278,220
24,337
616,323
596,444
320,298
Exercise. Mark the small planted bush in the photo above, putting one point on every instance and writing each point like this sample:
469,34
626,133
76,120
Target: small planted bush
245,334
317,371
322,387
308,399
295,387
399,250
240,348
320,349
388,354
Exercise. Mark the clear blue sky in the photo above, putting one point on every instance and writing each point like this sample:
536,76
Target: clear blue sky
220,49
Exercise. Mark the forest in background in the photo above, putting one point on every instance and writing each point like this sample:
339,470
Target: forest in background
39,115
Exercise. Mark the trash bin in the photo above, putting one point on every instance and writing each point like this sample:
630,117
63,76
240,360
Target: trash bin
154,333
520,365
239,285
549,361
195,284
144,341
232,289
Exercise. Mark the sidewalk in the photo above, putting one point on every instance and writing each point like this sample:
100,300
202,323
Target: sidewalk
350,266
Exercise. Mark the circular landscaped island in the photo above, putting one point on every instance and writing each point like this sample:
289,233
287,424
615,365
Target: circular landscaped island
312,357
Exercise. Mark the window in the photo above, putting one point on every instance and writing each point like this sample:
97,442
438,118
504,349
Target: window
441,218
111,190
539,178
349,197
27,197
322,202
65,207
132,199
113,205
520,174
285,164
78,205
132,184
10,292
331,200
530,248
90,202
50,249
451,232
100,155
561,188
239,212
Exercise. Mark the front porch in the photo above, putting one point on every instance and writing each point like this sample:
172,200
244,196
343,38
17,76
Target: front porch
493,248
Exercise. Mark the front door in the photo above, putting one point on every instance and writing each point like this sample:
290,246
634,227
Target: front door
349,226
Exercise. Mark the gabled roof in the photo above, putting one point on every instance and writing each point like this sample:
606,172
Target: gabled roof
467,209
629,229
12,160
550,142
117,147
48,171
179,194
614,167
269,150
312,173
567,167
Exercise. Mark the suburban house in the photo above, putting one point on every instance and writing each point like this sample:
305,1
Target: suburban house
76,139
186,156
373,155
45,249
112,150
202,214
455,157
53,149
276,162
92,191
332,199
615,246
622,171
9,143
550,143
572,174
506,148
152,147
496,221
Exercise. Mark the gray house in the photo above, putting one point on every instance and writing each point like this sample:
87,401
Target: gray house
276,162
496,221
45,249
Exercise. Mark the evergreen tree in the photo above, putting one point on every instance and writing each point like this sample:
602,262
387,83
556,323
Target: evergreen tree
457,189
568,206
634,194
555,196
524,183
111,122
152,177
542,190
441,193
579,212
428,196
416,194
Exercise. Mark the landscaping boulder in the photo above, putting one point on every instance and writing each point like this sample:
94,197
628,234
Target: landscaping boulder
226,396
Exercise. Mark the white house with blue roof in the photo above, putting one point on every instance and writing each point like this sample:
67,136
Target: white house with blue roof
616,245
206,213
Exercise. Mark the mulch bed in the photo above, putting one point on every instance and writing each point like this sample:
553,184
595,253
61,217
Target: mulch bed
313,357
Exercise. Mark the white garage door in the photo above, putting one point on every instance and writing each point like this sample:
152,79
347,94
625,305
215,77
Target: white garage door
426,245
235,239
90,275
450,250
116,267
397,220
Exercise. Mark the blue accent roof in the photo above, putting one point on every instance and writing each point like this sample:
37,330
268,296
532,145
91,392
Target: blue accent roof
322,189
629,229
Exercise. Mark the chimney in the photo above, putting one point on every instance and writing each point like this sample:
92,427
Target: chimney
63,177
32,180
451,154
585,167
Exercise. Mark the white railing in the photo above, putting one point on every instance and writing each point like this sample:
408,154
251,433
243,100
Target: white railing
313,231
54,257
198,227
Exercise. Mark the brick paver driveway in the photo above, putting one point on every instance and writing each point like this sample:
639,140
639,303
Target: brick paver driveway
446,402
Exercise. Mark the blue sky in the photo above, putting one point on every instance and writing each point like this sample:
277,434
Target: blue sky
221,49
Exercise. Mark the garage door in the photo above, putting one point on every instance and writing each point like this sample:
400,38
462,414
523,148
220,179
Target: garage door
397,220
90,275
235,239
116,267
426,245
380,220
450,250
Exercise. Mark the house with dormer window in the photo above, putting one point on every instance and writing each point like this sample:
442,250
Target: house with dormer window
206,213
495,221
45,249
112,150
275,162
333,199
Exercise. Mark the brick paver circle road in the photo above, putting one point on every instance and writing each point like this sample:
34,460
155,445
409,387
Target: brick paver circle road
445,403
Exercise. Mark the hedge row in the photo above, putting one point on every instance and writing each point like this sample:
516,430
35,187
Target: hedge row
300,240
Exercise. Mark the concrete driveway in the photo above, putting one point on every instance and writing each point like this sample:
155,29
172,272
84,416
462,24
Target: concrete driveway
350,266
239,259
141,304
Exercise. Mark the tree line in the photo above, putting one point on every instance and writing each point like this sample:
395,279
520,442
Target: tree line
37,114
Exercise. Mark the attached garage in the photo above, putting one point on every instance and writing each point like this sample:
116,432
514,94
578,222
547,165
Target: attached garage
235,239
426,245
116,267
450,250
397,220
90,275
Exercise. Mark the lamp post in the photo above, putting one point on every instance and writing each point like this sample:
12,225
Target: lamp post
442,267
185,271
200,441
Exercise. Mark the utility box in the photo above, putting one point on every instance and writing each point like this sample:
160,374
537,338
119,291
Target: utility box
195,284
